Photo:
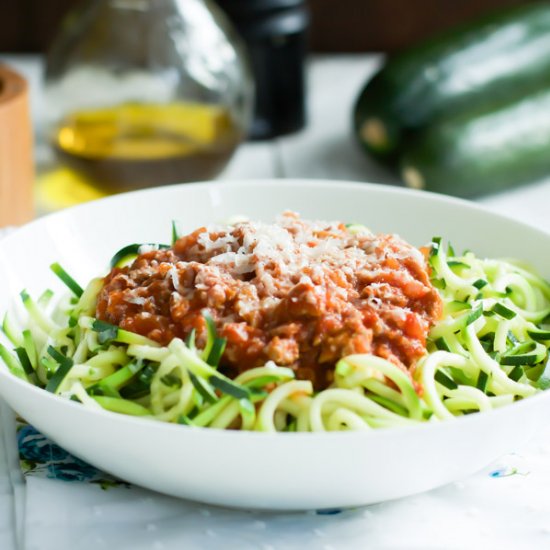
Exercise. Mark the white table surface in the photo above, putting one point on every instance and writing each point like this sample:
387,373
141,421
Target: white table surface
326,149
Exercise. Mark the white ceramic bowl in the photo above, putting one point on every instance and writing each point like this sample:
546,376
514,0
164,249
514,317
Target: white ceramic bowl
257,470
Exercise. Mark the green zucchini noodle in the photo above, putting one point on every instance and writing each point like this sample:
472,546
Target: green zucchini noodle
489,349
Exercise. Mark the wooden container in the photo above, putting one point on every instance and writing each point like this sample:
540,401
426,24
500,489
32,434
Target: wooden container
16,160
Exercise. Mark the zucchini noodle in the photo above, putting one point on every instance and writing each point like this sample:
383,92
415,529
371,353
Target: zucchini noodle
489,349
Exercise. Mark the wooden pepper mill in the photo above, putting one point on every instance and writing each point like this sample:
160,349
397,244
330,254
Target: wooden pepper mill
16,159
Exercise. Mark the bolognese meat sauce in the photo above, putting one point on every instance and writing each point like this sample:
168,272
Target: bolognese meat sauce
301,294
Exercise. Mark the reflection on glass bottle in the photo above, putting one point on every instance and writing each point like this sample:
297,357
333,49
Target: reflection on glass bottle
147,92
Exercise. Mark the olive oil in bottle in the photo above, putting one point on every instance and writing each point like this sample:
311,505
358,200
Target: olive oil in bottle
140,145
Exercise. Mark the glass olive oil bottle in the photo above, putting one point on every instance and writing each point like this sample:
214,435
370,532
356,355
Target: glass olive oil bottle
146,92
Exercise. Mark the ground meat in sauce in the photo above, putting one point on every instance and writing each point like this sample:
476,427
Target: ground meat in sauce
302,294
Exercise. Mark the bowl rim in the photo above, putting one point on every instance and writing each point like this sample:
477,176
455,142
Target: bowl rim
173,429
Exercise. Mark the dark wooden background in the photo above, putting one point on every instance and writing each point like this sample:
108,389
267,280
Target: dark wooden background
337,25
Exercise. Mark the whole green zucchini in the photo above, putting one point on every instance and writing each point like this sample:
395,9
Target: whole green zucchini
498,58
482,151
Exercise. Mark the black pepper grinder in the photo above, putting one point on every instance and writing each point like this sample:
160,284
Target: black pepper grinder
275,32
